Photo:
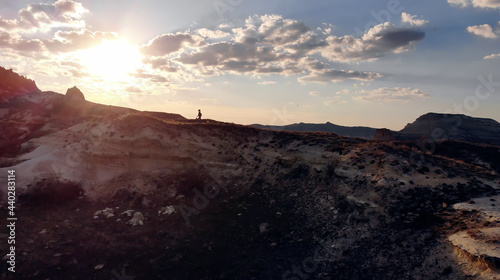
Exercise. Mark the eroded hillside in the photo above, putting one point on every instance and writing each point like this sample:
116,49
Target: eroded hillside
110,193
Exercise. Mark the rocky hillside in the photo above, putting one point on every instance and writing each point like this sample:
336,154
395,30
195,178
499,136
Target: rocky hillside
114,193
13,84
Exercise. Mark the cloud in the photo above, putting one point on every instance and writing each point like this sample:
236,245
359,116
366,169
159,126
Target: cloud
140,74
344,92
161,63
62,13
69,41
492,4
484,30
334,100
19,44
271,44
460,3
212,34
75,69
330,102
392,95
169,43
335,76
377,42
412,20
492,56
314,93
267,83
133,89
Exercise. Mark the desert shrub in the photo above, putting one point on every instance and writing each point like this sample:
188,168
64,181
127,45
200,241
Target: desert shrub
330,168
301,170
51,191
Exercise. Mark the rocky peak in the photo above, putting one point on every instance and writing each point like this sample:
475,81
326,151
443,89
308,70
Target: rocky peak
75,94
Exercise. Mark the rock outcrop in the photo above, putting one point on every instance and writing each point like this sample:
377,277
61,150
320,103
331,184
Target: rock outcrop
384,134
74,94
13,84
439,127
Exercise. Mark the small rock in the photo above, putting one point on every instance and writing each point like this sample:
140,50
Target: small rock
166,210
99,267
137,219
129,213
44,231
108,213
264,227
146,202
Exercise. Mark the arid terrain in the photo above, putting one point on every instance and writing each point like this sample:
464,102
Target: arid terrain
113,193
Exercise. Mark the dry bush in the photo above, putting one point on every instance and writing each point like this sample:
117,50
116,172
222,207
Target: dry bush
51,191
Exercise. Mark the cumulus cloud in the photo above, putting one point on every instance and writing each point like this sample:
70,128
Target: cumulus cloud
492,56
397,94
271,44
484,30
62,42
379,41
169,43
493,4
67,15
413,20
17,43
74,69
314,93
62,13
69,41
212,34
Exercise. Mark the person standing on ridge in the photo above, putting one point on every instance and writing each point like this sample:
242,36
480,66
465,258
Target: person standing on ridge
199,115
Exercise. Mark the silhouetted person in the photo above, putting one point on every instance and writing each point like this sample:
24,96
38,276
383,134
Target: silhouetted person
199,115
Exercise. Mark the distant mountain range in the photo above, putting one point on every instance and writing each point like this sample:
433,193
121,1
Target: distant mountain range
355,131
17,92
429,127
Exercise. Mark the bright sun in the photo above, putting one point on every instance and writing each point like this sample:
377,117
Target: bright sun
112,60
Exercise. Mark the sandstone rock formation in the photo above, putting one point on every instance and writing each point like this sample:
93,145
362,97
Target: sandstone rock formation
75,95
439,127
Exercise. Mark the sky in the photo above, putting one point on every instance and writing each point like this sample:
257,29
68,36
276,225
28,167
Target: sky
349,62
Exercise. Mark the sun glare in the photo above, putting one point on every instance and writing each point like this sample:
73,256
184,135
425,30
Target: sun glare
112,60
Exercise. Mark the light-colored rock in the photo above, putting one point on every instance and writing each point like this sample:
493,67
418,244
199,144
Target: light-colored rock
166,210
264,227
107,213
137,219
129,213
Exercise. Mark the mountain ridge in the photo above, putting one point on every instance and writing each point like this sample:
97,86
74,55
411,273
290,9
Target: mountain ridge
348,131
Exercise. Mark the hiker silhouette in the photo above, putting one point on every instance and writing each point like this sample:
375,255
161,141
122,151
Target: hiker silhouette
199,115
